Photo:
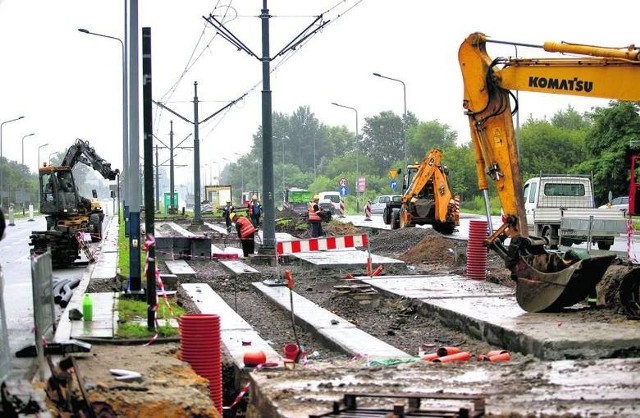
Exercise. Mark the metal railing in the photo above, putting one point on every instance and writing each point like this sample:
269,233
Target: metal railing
5,351
43,304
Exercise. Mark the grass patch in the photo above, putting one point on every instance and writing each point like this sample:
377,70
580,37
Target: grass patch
132,319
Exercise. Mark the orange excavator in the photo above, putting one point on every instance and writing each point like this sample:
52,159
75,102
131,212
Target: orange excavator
545,281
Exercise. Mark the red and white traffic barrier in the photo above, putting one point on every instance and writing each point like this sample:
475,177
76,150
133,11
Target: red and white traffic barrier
341,208
367,211
322,244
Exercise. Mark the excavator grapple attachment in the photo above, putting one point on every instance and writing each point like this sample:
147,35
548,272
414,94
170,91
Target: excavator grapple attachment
546,284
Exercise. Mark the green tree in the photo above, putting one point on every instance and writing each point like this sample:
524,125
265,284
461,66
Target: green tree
609,142
424,136
550,149
383,140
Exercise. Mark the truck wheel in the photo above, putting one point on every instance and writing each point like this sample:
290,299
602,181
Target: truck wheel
604,245
547,234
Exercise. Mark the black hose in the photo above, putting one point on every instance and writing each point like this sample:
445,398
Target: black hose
66,296
58,291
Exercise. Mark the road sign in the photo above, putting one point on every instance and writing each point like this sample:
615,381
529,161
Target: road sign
343,190
343,182
362,184
393,184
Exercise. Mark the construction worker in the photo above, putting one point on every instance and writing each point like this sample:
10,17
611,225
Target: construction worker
255,210
246,232
315,218
226,211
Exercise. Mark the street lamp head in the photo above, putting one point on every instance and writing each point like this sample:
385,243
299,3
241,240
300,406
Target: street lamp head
83,30
377,74
27,135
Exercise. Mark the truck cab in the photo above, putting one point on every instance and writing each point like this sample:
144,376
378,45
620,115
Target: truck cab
561,208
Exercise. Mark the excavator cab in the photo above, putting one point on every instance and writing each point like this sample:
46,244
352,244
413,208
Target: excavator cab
58,191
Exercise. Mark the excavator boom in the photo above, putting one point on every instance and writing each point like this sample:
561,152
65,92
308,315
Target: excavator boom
545,281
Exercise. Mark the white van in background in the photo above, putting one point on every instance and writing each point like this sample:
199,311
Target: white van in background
333,197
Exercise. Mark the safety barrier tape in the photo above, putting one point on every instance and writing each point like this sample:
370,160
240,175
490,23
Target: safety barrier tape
322,244
149,243
246,387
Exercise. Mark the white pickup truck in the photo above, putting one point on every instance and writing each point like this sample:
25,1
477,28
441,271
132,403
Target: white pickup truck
562,209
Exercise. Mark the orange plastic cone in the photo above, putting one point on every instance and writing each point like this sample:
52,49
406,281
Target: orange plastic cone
496,352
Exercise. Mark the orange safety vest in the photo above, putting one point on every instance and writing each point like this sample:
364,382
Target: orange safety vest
246,227
313,216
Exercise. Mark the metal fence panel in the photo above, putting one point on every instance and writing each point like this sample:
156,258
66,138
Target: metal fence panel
43,303
5,350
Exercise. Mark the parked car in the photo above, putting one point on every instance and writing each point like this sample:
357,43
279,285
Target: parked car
327,208
620,203
380,202
333,197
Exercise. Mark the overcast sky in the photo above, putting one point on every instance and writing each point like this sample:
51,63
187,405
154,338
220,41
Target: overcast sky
68,84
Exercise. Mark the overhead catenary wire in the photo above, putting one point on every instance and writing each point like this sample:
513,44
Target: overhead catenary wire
302,39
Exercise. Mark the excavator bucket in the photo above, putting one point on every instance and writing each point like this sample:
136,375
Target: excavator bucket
546,284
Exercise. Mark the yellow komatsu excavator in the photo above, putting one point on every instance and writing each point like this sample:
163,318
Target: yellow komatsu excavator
545,281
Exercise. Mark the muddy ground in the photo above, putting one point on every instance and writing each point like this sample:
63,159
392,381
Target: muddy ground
394,321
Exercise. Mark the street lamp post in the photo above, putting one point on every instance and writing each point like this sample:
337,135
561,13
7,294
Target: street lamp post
404,114
23,138
1,163
125,111
22,197
357,150
39,148
242,178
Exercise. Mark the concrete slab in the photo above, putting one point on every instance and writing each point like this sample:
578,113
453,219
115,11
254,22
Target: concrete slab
180,268
487,312
217,228
345,258
334,329
106,266
238,267
102,324
235,331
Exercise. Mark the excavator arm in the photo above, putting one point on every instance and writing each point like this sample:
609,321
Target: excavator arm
545,281
82,152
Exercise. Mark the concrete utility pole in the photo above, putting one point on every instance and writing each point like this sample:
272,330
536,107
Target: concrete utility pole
135,283
149,217
268,201
197,215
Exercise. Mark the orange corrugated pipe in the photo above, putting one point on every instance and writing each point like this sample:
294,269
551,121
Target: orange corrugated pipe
500,357
461,356
446,351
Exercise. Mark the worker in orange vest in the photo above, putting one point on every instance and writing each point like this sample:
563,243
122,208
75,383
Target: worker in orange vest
246,232
315,218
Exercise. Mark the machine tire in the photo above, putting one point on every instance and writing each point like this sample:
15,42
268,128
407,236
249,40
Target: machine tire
604,245
445,228
96,223
395,224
